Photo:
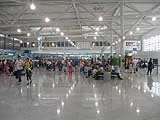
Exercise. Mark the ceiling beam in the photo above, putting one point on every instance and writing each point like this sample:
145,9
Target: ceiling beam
97,18
77,15
142,16
19,15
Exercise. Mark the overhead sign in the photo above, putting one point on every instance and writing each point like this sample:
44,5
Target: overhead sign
132,45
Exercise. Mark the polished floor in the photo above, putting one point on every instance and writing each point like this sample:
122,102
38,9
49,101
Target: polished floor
56,96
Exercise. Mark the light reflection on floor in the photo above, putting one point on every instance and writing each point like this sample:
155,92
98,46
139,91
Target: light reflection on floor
57,96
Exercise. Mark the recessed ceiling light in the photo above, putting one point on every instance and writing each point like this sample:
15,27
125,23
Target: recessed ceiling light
21,41
100,18
154,18
137,28
113,43
116,42
52,44
28,34
19,30
124,37
69,40
27,43
96,33
62,34
95,38
47,20
119,40
32,6
57,29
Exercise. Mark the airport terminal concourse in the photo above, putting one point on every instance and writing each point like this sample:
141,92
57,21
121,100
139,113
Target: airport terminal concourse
79,59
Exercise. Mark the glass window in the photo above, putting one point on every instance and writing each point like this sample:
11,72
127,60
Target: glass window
58,44
152,44
100,43
97,44
66,44
62,44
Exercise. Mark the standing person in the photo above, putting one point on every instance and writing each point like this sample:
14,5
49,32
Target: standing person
28,66
150,66
135,65
70,68
19,67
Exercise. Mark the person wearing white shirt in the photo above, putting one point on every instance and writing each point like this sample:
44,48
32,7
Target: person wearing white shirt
19,67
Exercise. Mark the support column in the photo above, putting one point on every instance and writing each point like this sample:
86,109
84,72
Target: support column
39,43
4,43
13,42
111,43
122,27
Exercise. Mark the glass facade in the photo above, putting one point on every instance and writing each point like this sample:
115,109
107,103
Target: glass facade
152,44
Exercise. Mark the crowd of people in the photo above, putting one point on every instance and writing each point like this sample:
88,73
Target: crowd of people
96,68
99,68
135,64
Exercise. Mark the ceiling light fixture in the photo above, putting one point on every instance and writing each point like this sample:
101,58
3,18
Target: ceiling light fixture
28,34
32,6
21,41
39,38
100,18
57,29
131,33
95,38
97,29
137,28
116,42
119,40
113,43
52,44
47,20
62,34
27,43
124,37
96,33
66,38
19,30
154,18
33,45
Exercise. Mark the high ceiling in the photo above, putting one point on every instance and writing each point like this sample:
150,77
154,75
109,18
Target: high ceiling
78,19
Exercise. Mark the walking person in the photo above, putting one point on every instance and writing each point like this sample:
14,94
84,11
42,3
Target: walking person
150,66
28,67
19,67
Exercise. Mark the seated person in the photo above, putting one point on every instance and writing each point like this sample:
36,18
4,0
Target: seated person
98,74
88,70
116,71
